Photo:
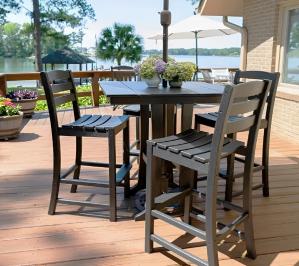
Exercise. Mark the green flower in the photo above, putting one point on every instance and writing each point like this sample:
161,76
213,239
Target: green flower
147,70
182,71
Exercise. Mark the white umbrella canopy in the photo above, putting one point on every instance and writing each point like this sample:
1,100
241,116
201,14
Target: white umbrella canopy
195,27
203,26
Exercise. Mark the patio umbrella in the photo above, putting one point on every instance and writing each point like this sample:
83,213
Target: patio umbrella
195,27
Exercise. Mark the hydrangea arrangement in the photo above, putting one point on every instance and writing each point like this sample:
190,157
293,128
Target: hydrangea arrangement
150,67
7,108
179,71
22,95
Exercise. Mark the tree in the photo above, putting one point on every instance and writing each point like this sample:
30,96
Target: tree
37,35
118,43
17,40
55,14
6,7
14,42
193,2
53,40
294,37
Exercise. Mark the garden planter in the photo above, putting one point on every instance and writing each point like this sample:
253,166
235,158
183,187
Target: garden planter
10,126
175,84
153,82
27,106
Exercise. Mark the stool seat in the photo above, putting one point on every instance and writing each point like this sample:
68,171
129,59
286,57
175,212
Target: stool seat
192,147
98,123
209,119
133,109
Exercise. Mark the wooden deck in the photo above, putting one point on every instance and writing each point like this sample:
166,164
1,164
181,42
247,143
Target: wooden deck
29,236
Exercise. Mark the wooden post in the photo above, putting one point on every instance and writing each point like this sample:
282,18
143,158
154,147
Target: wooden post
95,92
3,85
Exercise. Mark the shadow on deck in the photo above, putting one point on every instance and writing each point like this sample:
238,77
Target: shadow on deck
28,235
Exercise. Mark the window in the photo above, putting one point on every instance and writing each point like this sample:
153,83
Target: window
291,57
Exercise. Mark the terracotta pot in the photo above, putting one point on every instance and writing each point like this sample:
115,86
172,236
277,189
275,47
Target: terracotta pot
10,126
27,106
175,84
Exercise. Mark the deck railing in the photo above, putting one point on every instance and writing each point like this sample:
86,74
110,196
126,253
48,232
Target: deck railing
94,75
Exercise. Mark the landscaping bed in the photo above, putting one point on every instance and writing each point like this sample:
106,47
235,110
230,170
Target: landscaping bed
85,101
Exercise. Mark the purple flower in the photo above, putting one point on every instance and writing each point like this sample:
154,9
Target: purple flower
22,94
160,66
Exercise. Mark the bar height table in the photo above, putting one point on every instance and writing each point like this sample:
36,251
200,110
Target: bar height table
126,92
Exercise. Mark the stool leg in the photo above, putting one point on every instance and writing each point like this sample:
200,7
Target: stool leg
112,174
138,132
247,206
126,158
230,174
187,208
211,219
78,162
265,162
150,197
56,175
196,124
187,181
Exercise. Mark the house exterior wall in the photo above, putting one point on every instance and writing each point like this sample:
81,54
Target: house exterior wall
260,20
285,118
263,22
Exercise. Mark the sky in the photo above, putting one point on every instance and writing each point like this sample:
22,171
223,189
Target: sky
143,14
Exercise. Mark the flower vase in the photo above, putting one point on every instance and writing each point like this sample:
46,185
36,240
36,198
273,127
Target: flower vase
175,84
153,82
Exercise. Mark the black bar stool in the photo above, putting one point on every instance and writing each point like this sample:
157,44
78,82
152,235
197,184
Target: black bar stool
200,151
209,119
106,126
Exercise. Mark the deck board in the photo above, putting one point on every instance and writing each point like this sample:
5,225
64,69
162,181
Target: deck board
28,235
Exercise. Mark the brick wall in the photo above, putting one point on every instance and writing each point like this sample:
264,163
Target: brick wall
286,119
261,18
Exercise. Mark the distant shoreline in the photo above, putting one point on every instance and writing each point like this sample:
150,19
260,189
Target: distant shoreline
233,51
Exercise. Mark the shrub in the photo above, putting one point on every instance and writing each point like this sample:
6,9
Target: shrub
7,108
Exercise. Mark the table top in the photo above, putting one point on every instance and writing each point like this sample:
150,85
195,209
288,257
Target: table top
130,92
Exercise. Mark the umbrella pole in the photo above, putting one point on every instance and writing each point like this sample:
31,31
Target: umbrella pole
196,54
165,22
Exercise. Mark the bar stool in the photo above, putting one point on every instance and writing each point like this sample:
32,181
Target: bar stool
209,119
200,151
106,126
125,73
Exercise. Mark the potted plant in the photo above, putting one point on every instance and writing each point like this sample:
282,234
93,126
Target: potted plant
10,119
26,99
177,72
150,70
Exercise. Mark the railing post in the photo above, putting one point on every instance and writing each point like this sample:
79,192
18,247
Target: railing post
3,85
95,92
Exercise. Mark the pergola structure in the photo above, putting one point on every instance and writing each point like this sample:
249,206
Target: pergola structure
66,56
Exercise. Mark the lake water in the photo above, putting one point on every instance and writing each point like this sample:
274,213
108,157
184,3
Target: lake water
8,65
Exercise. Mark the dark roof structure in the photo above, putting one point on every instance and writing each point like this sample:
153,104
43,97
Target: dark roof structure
66,56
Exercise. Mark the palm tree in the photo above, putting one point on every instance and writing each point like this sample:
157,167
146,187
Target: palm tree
118,43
